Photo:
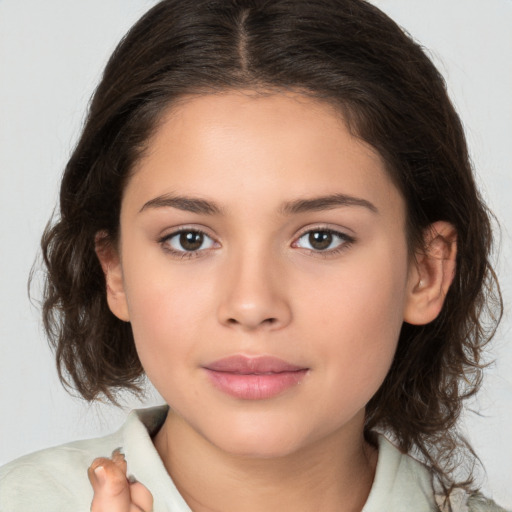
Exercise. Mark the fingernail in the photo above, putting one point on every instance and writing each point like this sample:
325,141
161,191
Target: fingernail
118,451
132,479
100,474
118,455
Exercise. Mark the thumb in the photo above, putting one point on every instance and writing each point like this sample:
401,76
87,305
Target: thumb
111,488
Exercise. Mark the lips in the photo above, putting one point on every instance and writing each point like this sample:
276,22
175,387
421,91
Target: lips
252,365
254,378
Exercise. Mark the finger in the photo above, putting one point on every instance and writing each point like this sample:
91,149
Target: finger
119,460
111,488
140,496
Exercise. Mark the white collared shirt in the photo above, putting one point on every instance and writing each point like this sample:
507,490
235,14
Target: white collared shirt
55,479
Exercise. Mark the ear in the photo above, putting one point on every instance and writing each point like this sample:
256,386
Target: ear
110,261
431,274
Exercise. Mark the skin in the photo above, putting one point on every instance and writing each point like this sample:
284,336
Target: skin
113,492
257,286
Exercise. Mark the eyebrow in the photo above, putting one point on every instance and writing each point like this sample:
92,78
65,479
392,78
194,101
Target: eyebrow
205,207
187,204
325,203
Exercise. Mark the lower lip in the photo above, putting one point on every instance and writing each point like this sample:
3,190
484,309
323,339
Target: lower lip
255,387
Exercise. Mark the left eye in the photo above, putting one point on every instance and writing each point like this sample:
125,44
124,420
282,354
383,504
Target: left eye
322,240
189,241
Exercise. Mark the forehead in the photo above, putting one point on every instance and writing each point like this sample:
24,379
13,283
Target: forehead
244,145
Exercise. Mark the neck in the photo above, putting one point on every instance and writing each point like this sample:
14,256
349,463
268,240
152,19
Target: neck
334,473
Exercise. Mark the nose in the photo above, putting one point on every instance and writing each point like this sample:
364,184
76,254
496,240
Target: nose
254,294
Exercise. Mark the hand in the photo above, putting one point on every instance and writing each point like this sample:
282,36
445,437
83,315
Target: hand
113,492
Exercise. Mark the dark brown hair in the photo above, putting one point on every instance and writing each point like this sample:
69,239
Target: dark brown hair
347,53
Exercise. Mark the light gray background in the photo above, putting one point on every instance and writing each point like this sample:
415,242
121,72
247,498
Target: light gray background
51,56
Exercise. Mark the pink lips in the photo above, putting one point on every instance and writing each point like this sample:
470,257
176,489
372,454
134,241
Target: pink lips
254,378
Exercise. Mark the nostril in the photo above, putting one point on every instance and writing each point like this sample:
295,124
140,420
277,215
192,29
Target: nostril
268,321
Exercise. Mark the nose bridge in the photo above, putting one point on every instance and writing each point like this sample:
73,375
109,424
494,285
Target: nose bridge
254,290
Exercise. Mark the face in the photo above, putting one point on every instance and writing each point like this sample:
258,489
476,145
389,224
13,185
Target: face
264,269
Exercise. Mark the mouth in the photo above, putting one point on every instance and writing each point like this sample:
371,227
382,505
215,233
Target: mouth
254,378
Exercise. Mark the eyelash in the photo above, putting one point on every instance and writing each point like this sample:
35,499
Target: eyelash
345,242
164,241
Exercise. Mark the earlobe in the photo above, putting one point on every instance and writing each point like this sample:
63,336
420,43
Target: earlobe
110,262
431,274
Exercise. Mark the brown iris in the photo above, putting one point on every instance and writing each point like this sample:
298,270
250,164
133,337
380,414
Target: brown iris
191,240
320,240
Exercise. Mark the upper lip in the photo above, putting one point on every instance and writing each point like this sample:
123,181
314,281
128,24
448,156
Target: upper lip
247,365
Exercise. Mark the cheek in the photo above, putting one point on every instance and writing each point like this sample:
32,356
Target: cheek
165,311
367,291
357,315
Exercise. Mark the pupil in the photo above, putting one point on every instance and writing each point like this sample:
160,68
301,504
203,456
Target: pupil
191,241
320,239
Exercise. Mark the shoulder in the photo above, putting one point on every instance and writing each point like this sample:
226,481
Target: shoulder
478,503
460,501
53,479
402,484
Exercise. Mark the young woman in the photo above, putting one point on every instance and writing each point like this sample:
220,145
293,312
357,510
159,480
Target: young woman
271,214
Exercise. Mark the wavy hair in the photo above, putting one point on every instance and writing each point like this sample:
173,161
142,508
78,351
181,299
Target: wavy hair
344,52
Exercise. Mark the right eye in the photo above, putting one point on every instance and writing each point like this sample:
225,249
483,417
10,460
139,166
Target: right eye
324,240
187,241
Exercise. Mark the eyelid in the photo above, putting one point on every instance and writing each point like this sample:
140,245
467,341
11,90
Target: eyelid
325,226
347,240
173,232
